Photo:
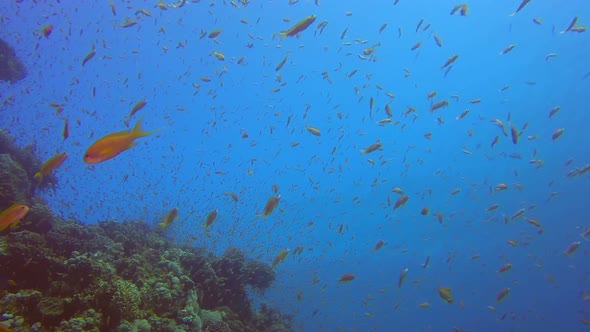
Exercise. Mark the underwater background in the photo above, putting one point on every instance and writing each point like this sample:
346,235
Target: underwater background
457,221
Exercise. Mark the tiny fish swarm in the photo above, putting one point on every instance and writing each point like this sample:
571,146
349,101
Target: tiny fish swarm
65,276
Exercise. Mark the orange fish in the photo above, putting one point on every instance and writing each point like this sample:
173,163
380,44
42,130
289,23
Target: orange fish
373,147
50,165
233,195
508,49
271,205
446,294
12,215
211,218
280,257
299,27
66,130
215,33
89,56
47,30
520,7
450,61
425,211
426,262
570,249
128,23
345,278
378,245
514,134
402,276
437,105
557,133
504,268
136,108
170,217
495,141
502,294
111,145
401,201
492,207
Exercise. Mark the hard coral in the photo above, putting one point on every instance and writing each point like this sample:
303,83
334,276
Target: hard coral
11,68
270,319
120,300
14,182
24,302
89,321
51,309
258,275
98,277
70,236
219,326
40,218
27,258
136,237
25,157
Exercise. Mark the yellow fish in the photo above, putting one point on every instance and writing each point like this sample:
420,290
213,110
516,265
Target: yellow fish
270,206
111,145
313,130
4,328
170,217
211,218
12,215
445,294
50,165
299,27
280,257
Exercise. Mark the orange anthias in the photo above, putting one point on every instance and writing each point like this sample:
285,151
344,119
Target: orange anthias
50,165
47,30
12,215
347,277
297,28
270,206
111,145
282,255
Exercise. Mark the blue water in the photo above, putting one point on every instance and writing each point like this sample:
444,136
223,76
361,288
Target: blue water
199,153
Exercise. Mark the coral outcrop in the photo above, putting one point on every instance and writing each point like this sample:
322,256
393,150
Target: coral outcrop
67,276
11,68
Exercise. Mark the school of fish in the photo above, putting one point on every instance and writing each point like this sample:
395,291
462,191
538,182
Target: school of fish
334,149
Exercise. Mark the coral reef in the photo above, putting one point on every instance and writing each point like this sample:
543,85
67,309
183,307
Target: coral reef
11,69
14,182
26,160
66,276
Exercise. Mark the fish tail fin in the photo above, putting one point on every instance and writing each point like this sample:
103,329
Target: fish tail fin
14,225
138,130
38,177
